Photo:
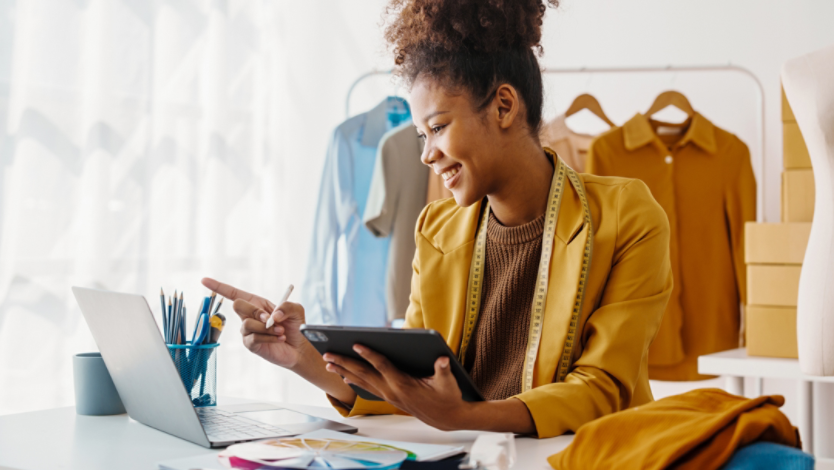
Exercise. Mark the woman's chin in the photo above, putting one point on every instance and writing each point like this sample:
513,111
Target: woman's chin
463,198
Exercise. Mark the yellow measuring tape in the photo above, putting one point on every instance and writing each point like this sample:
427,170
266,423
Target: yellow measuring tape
476,275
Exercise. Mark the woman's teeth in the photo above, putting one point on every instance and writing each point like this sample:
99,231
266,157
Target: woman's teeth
450,173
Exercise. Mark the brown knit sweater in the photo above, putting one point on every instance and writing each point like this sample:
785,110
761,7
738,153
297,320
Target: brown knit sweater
495,355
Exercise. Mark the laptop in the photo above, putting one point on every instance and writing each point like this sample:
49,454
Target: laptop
152,391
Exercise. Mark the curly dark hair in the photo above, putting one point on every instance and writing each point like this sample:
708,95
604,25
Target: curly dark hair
471,45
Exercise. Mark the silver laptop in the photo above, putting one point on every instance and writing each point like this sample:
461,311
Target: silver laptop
152,391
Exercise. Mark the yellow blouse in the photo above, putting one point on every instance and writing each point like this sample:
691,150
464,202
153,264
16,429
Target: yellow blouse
703,179
629,284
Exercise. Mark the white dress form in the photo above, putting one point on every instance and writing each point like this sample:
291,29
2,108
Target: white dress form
809,87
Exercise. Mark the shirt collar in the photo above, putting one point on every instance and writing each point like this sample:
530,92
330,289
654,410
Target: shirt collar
638,132
376,120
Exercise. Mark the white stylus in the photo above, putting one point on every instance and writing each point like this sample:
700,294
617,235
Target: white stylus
270,321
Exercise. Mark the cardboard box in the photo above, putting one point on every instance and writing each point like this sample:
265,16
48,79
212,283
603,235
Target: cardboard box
771,331
775,243
773,285
794,151
787,112
797,195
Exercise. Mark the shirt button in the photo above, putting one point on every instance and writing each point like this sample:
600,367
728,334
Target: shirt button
668,159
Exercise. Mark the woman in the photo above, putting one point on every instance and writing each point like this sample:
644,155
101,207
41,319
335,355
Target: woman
551,348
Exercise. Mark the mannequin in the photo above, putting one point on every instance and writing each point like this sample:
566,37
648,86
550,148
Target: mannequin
808,86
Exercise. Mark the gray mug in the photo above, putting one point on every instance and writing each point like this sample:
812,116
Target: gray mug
95,394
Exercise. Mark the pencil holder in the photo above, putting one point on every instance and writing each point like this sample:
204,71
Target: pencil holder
197,366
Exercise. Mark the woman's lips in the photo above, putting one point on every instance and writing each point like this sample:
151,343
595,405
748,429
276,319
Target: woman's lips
452,176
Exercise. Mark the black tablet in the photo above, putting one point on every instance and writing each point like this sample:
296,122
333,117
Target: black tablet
413,351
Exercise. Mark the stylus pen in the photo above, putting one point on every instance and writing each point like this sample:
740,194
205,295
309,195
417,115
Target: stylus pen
270,321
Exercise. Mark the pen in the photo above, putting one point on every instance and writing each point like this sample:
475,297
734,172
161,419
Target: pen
270,321
217,321
211,302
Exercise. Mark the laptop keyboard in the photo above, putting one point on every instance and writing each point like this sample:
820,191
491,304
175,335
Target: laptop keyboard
223,426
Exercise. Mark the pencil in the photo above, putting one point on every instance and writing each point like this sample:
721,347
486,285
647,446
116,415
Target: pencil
164,316
218,306
286,297
182,326
170,317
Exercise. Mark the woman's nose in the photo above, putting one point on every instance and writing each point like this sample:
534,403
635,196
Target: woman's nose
430,155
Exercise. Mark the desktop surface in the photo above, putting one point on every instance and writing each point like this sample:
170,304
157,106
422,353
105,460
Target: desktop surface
59,438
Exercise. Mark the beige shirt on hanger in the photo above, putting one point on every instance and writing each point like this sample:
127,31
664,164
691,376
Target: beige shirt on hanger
572,147
395,200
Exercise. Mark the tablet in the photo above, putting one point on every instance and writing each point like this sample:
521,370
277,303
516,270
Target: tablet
411,350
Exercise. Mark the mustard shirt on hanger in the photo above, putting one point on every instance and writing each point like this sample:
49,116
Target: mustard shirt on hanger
629,284
702,177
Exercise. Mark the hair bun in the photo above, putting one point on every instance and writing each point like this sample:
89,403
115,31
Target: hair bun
464,26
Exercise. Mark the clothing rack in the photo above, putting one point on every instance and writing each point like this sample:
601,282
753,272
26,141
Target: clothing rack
760,185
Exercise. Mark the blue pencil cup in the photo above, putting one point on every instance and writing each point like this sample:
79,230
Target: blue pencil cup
197,366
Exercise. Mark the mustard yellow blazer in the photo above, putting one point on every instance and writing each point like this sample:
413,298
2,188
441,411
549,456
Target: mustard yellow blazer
629,284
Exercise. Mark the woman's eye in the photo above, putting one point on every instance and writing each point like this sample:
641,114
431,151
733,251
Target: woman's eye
437,129
421,136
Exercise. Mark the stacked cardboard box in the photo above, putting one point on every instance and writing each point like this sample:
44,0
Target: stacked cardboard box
797,177
774,253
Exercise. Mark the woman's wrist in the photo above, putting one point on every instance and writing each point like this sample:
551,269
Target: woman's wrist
311,367
509,415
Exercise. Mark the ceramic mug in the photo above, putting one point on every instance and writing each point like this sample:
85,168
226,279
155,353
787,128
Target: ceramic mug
95,393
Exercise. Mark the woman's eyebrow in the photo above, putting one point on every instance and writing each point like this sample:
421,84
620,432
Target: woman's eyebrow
436,113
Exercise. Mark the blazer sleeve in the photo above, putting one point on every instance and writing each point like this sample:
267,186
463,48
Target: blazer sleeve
617,335
413,319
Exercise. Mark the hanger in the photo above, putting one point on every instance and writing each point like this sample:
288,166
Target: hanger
587,101
671,98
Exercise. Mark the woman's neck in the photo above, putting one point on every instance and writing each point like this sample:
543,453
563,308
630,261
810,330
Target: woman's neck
522,196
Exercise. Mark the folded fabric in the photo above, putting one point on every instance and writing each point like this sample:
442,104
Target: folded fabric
771,456
699,430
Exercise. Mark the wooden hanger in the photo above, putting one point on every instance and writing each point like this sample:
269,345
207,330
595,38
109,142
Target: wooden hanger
586,101
671,98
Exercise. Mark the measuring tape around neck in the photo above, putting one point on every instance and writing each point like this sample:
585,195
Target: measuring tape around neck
476,277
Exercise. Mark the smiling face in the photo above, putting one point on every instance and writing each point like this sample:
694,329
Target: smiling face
461,144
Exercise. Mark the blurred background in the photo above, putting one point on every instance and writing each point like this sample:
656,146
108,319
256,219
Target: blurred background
150,143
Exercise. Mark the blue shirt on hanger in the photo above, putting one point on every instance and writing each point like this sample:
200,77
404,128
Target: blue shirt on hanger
345,281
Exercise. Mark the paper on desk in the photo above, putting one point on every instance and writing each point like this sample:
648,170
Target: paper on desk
204,461
423,452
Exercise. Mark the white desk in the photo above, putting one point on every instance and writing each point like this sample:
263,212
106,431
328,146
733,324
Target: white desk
60,439
735,365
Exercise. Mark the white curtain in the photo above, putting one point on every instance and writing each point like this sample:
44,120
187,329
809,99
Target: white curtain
141,146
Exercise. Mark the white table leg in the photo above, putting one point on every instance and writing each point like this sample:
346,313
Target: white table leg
735,385
805,415
757,387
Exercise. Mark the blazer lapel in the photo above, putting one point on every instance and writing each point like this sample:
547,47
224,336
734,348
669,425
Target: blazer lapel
444,292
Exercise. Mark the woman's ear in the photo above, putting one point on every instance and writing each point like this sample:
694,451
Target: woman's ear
507,105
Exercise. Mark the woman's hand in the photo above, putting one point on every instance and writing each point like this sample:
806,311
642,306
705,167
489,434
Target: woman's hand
281,345
435,400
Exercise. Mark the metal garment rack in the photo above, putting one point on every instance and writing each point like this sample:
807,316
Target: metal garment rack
760,186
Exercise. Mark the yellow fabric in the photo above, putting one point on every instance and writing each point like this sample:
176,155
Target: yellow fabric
629,284
704,181
698,430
